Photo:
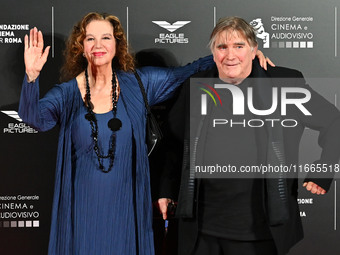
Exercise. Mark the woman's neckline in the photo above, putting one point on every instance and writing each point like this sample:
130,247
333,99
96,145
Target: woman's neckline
83,102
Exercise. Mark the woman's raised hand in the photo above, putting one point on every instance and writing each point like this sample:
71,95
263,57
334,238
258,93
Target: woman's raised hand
263,60
34,56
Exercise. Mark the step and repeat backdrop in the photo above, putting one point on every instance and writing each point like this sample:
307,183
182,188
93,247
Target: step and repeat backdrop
301,34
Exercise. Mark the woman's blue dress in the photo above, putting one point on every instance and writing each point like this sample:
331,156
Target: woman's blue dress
103,204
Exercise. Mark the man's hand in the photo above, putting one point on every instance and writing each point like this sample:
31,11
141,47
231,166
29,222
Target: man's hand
163,206
314,188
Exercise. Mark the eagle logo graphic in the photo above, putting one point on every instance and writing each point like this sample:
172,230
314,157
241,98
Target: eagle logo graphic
171,27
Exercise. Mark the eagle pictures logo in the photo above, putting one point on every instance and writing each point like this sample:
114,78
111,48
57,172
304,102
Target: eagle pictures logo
18,127
171,37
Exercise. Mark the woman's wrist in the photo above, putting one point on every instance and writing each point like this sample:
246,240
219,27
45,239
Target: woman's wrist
31,77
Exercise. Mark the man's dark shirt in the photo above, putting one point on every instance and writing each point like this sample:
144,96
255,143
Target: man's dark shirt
228,207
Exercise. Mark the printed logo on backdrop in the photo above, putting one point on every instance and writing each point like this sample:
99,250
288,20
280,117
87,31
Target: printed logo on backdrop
171,37
290,32
17,127
19,211
12,33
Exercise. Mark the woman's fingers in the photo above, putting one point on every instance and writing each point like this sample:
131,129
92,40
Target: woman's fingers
35,55
270,62
40,40
35,37
26,42
262,59
31,38
45,54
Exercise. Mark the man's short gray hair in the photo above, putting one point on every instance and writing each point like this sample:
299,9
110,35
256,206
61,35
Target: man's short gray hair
233,24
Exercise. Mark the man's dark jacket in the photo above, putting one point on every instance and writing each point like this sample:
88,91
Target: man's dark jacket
325,118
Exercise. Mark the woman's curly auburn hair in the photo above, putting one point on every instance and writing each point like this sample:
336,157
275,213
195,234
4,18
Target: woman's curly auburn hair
75,62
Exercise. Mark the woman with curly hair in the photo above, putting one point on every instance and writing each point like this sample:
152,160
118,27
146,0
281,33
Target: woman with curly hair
102,201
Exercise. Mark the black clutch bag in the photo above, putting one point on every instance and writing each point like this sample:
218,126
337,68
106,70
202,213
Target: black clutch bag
153,131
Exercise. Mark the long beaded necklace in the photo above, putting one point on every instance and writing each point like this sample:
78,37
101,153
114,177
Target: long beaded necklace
114,124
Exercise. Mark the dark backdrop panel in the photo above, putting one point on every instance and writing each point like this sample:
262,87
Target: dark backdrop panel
27,158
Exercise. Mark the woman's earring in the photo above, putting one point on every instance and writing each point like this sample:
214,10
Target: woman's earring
84,54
